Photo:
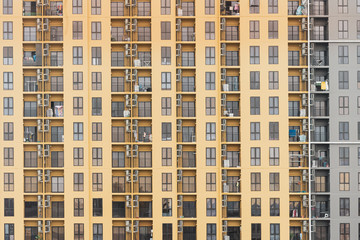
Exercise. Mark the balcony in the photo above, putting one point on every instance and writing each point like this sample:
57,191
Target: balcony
55,9
30,9
230,8
319,7
185,8
32,56
229,30
321,183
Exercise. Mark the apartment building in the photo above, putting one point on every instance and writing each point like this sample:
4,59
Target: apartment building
184,119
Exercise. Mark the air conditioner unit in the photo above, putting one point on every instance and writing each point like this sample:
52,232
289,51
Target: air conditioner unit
47,201
178,25
179,150
39,150
127,50
305,226
46,24
180,226
178,99
39,100
46,74
128,226
128,125
223,49
135,175
224,226
223,125
127,3
223,150
47,176
135,150
39,173
304,75
134,75
304,49
305,176
178,50
39,201
46,100
178,125
223,100
304,24
127,100
224,201
136,226
127,25
128,201
179,175
38,25
178,75
46,3
39,125
128,175
315,163
134,100
40,227
223,74
38,3
134,24
136,201
47,150
180,201
128,151
47,226
223,175
222,23
134,51
226,163
47,125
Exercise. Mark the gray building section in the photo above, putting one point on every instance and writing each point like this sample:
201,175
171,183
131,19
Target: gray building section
335,37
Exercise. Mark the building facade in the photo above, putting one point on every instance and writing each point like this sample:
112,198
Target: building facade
139,119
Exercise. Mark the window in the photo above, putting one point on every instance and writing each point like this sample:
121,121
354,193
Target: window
145,184
8,80
273,80
9,156
273,55
95,7
78,231
273,105
96,106
231,58
97,156
96,55
210,181
8,207
255,231
343,55
189,184
9,231
344,231
255,131
233,209
166,106
145,159
343,130
344,207
77,30
8,55
118,210
8,131
274,156
210,55
77,106
343,105
167,207
211,231
97,182
275,231
78,131
256,207
118,134
210,156
8,106
344,181
77,55
188,59
165,81
144,9
95,30
165,30
166,131
7,7
273,130
118,184
77,7
274,182
77,80
254,105
166,157
78,156
144,109
118,159
97,131
211,207
210,131
209,30
293,58
293,33
274,207
167,231
343,80
343,29
209,7
255,156
254,6
255,181
57,209
254,55
78,182
8,182
97,207
165,55
7,30
166,182
97,231
165,7
273,8
210,106
254,30
273,30
209,80
57,184
30,184
254,80
144,34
